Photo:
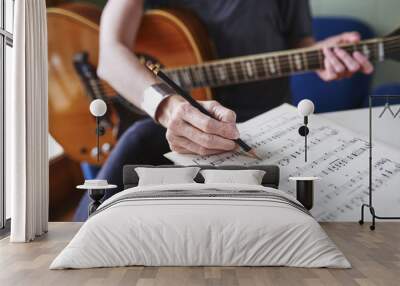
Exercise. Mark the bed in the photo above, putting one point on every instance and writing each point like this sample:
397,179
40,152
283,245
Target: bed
198,224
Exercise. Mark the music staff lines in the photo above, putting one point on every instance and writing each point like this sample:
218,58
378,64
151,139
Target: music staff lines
314,140
356,188
337,155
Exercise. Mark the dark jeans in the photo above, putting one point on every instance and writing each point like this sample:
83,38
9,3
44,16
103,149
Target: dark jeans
143,143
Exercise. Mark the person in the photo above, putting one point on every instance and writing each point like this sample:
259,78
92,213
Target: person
236,27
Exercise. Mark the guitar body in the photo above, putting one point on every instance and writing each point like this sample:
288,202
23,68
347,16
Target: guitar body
175,38
172,38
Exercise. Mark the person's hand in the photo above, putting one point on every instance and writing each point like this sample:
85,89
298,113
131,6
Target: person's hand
189,131
340,64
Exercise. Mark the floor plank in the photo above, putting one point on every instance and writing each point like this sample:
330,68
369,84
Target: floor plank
375,257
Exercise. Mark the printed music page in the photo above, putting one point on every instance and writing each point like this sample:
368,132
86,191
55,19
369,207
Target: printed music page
335,154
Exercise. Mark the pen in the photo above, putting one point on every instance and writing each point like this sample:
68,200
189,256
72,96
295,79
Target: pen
156,70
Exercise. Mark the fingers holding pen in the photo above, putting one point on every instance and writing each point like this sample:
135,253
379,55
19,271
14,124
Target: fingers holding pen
201,138
184,145
191,131
224,129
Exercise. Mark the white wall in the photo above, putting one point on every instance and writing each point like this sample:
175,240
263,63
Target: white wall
381,15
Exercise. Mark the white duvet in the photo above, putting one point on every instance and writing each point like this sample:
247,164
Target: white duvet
183,231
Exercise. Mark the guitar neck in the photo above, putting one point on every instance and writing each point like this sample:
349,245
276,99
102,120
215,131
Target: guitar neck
269,65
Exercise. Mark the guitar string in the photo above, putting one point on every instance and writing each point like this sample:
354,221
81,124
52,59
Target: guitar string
244,78
313,55
265,56
310,59
284,63
301,51
389,47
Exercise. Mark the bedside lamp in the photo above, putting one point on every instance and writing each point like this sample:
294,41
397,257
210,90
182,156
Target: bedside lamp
97,188
305,185
98,108
305,108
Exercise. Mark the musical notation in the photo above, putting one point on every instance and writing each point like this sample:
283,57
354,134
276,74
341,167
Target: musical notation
336,155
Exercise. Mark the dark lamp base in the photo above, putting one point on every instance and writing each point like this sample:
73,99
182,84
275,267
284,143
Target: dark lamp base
305,190
96,195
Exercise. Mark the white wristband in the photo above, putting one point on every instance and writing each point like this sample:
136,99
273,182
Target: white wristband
153,96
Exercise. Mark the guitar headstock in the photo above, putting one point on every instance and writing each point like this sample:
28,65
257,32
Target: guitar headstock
392,45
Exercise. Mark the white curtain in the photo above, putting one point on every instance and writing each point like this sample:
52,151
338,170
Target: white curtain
27,123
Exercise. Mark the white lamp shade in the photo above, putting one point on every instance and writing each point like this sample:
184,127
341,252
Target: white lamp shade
98,108
305,107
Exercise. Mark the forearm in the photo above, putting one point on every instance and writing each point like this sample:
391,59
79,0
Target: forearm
118,65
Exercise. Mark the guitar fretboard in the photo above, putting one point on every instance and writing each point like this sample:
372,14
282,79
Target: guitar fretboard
271,65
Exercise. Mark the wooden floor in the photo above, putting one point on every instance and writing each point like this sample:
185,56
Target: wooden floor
375,257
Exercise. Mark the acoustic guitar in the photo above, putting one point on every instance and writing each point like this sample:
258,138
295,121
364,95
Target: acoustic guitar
175,40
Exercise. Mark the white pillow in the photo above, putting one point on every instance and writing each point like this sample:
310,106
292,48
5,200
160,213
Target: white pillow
248,177
163,176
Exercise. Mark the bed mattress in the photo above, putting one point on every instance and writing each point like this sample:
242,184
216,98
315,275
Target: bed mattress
201,225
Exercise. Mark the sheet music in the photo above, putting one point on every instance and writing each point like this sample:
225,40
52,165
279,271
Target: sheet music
336,155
